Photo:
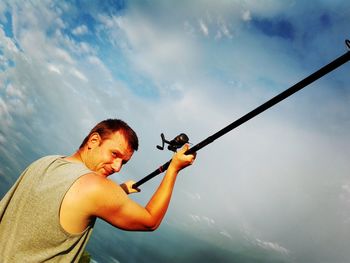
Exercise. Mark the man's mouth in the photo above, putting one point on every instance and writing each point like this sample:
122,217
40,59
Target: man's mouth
108,171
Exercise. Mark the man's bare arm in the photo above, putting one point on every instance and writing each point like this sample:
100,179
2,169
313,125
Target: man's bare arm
110,202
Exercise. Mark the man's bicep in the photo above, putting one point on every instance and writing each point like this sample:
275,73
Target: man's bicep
133,217
116,208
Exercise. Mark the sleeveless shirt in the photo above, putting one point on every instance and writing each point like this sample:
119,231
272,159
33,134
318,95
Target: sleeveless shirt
30,229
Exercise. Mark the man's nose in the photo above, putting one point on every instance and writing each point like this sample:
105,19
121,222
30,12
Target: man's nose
117,165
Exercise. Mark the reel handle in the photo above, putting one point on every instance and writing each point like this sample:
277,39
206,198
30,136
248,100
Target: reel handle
175,143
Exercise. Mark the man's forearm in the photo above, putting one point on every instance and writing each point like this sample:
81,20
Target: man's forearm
159,202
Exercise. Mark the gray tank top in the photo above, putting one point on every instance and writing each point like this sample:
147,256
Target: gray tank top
30,230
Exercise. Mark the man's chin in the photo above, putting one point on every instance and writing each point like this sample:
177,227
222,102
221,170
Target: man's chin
102,173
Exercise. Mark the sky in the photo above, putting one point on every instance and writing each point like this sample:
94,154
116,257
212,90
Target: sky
276,189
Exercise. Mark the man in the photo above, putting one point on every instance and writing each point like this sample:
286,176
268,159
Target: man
49,213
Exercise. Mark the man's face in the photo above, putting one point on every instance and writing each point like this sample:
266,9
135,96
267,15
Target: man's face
107,156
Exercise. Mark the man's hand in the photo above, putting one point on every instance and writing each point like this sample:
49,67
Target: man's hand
127,187
180,160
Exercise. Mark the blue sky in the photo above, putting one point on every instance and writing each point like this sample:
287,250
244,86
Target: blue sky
276,189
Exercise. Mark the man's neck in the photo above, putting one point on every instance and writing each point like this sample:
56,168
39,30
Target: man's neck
75,158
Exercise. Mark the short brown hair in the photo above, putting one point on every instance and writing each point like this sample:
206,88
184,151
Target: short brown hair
107,127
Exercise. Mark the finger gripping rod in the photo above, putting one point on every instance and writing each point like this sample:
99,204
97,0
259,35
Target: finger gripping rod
268,104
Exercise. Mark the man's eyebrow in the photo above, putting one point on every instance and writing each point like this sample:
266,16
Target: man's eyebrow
116,151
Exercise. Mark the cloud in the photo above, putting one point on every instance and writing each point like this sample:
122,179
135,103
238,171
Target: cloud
282,175
54,68
7,45
5,114
246,15
226,234
3,9
79,75
223,30
80,30
272,246
203,27
150,49
268,8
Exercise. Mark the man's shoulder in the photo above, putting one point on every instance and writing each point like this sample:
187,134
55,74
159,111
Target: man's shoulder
91,182
95,192
46,159
94,185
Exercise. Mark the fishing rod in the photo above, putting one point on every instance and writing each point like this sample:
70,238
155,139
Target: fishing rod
181,139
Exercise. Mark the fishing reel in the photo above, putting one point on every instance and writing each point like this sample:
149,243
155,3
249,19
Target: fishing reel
175,143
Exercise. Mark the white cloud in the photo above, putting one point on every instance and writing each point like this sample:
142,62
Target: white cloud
151,49
76,48
54,68
226,234
210,222
281,164
6,43
63,55
2,12
79,74
346,187
80,30
203,28
246,16
100,67
3,108
2,140
272,246
193,196
114,260
195,218
268,7
13,92
223,30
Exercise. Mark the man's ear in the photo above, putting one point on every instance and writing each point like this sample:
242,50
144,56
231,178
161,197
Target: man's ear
94,140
